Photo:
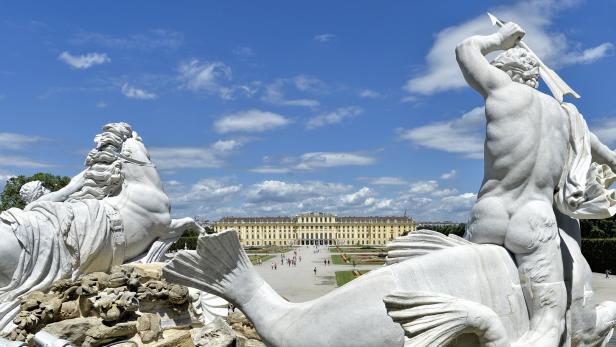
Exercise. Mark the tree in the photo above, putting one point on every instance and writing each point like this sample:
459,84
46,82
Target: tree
10,196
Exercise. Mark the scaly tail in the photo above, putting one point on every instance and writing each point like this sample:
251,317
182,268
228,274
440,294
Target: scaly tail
433,319
219,266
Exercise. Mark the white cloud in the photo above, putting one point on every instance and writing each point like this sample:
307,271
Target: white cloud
84,61
17,141
388,181
206,76
358,197
250,121
209,190
449,175
101,104
213,156
226,145
136,93
217,197
442,73
267,169
308,83
369,94
274,95
465,199
333,117
279,191
444,192
588,55
606,130
323,38
321,160
461,135
423,187
21,162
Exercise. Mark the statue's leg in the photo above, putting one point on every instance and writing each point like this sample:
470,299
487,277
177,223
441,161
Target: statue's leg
10,250
533,238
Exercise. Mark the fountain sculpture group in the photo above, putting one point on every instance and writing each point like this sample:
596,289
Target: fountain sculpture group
517,278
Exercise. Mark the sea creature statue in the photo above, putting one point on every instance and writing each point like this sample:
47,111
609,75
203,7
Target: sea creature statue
111,213
518,277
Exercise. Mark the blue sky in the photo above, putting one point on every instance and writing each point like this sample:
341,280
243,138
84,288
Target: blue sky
274,108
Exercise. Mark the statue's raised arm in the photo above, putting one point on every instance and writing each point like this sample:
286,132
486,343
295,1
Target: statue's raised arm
478,72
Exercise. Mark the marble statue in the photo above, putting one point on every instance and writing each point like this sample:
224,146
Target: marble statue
518,278
109,214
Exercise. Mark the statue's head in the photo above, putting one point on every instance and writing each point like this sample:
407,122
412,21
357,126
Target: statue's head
103,176
520,65
32,190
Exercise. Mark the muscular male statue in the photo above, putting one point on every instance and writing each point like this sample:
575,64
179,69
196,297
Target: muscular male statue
526,151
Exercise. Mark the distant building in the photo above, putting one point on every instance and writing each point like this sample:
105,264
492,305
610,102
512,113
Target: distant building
316,228
437,224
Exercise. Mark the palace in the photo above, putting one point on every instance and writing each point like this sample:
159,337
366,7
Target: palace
316,228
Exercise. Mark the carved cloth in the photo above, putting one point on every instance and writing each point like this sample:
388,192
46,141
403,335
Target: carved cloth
60,240
583,188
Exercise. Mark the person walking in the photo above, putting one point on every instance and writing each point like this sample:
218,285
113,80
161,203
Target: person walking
315,270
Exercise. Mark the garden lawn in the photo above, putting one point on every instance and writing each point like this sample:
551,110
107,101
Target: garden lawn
343,277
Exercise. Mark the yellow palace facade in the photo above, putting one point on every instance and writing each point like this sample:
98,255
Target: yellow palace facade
316,228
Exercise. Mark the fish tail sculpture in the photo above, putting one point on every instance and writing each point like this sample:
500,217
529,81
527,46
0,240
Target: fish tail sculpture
221,267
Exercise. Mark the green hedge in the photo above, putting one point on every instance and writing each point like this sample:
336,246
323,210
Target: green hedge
600,254
189,241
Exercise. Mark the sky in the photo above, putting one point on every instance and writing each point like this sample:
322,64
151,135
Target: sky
279,107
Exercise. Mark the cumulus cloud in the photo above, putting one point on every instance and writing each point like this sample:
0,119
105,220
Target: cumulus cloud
388,181
250,121
323,38
369,94
423,187
358,197
441,72
313,161
462,135
132,92
605,130
274,94
206,76
208,190
449,175
334,117
588,55
212,156
321,160
268,169
308,83
218,197
83,62
280,191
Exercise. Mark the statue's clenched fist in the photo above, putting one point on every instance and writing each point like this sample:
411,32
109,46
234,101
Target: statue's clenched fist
511,34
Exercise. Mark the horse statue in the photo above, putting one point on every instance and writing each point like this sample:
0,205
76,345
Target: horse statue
113,212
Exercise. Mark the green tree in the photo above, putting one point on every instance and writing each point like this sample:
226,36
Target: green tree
10,196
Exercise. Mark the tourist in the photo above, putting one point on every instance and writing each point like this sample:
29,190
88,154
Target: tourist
315,270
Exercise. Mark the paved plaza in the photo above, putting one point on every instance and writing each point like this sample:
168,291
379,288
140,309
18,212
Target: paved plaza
299,283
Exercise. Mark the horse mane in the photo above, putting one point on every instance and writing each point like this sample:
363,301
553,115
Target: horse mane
103,176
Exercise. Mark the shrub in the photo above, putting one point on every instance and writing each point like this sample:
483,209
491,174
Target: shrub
600,254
